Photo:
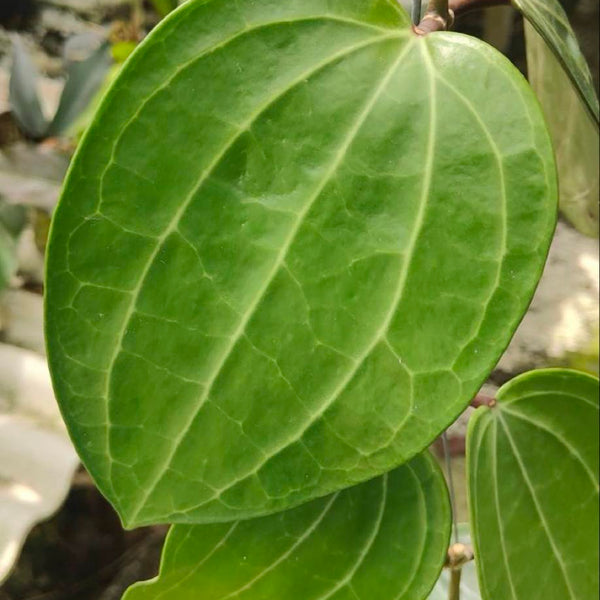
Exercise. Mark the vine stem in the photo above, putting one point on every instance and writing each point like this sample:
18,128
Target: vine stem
458,556
440,14
450,478
454,587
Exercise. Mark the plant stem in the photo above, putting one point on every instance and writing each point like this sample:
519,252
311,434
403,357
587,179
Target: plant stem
440,13
454,587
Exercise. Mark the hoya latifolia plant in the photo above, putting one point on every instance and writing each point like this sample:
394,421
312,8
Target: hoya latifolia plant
291,247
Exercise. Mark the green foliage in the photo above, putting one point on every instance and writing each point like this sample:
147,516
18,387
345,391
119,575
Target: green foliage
550,21
84,79
533,482
574,134
299,283
383,539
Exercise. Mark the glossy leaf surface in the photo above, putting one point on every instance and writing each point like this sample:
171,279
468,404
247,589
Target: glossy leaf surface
381,540
533,483
292,245
575,135
550,21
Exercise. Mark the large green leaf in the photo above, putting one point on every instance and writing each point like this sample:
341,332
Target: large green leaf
575,136
533,483
551,22
381,540
291,247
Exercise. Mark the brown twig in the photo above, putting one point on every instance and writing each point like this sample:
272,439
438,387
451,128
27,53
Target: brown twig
481,400
438,17
440,14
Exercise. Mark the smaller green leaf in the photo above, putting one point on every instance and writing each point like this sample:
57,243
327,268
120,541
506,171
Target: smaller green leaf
23,97
551,22
381,540
533,487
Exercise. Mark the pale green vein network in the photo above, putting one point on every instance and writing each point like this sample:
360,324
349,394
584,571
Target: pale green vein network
172,226
338,158
301,539
367,547
402,279
201,562
498,157
424,524
557,436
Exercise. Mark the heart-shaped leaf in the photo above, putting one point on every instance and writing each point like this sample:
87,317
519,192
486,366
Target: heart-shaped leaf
551,22
293,244
384,539
575,135
533,484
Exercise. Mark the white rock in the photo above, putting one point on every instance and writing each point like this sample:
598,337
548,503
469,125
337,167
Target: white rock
37,460
563,316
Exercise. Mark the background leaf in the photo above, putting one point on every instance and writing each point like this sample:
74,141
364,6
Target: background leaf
383,539
299,283
23,97
551,22
533,483
575,135
84,79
